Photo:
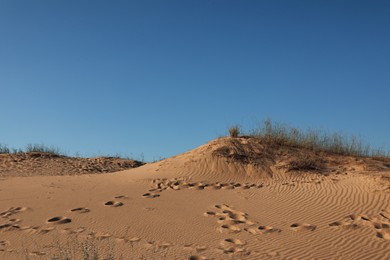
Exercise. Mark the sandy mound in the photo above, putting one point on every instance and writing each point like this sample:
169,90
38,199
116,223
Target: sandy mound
38,163
233,198
248,159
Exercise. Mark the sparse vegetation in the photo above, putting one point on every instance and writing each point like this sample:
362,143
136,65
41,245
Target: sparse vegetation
41,148
4,149
234,131
55,151
306,163
316,140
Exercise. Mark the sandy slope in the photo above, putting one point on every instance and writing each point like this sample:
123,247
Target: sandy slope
38,163
228,199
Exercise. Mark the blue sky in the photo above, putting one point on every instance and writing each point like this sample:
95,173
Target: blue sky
159,78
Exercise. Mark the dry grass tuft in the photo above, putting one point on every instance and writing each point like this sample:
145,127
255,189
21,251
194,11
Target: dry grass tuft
234,131
283,135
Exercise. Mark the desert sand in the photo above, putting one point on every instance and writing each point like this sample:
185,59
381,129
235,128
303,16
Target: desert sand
232,198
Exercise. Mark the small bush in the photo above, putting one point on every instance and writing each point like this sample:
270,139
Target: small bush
234,131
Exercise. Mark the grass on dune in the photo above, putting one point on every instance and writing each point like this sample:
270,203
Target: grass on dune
40,148
55,151
284,135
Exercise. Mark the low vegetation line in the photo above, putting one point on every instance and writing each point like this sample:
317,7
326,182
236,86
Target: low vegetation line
40,148
284,135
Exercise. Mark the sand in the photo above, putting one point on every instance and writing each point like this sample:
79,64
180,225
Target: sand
228,199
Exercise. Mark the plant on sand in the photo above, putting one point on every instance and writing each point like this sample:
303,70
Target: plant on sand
234,131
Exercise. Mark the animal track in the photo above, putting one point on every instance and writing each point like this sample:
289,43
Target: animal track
45,230
380,223
11,224
342,224
37,253
150,195
159,185
268,229
134,239
4,243
383,235
114,204
229,228
303,226
385,213
233,246
234,221
11,211
59,220
80,210
232,241
120,197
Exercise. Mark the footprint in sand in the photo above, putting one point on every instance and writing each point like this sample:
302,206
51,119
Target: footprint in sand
114,204
232,241
233,246
159,185
381,225
11,224
195,257
37,253
4,243
121,197
385,213
102,236
80,210
342,224
303,226
229,218
234,221
59,220
229,228
379,222
383,235
209,213
382,230
356,217
268,229
235,250
150,195
44,230
251,230
12,211
164,245
68,231
195,247
134,239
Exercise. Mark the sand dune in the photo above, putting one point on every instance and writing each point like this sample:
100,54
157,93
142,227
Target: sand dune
233,198
41,163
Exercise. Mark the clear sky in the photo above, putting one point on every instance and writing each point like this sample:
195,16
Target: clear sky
163,77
